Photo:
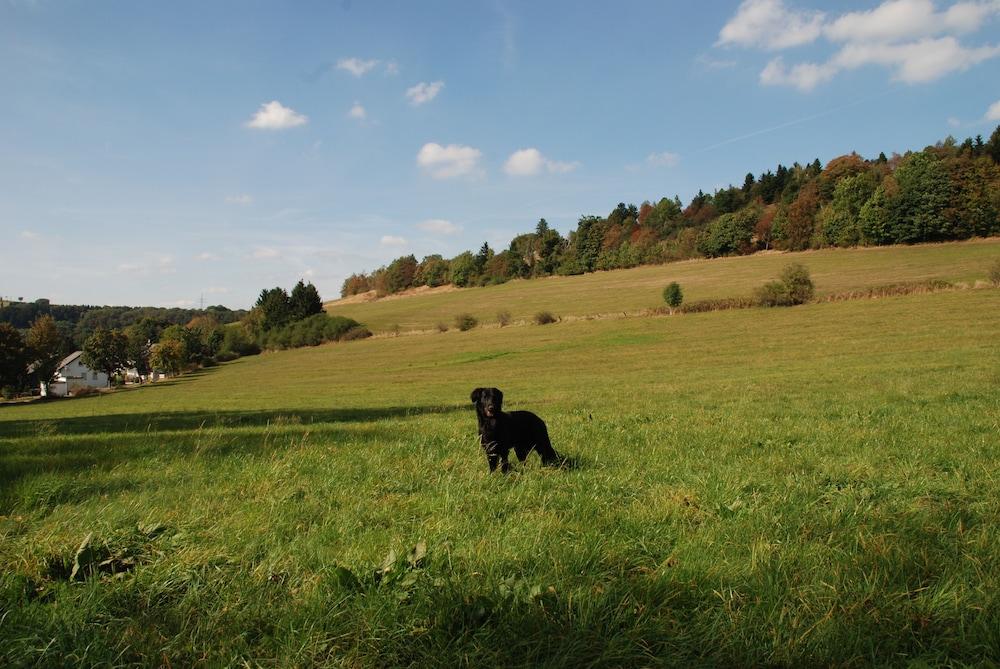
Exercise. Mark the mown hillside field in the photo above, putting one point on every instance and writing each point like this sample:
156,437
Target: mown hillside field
633,290
797,486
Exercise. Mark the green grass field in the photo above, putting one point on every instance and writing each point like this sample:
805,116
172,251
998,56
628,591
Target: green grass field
634,290
805,486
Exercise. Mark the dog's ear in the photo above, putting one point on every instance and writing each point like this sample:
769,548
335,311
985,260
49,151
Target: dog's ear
499,395
476,394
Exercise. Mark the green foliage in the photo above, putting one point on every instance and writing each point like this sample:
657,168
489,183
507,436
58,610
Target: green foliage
729,234
672,295
13,358
169,356
465,322
46,346
304,301
795,287
312,331
236,339
463,269
432,271
274,307
107,351
841,224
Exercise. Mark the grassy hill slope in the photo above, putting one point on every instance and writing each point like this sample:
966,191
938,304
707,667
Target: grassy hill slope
833,270
812,485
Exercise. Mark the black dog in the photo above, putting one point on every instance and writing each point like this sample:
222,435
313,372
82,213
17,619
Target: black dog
499,432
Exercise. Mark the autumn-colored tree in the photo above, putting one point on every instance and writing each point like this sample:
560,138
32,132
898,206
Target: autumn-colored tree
432,271
800,218
837,169
355,284
645,209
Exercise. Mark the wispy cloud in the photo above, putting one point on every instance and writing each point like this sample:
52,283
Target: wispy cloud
29,235
358,112
275,116
391,68
439,226
445,162
242,199
207,256
423,92
391,240
664,159
769,24
265,253
356,66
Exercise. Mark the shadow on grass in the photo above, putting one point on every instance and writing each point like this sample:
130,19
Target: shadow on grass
101,443
180,421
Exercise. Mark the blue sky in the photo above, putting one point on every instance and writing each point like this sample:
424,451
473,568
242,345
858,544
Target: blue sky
155,153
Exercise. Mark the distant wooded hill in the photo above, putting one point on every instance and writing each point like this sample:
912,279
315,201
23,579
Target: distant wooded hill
78,321
948,191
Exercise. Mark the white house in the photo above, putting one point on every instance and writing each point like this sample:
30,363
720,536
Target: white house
72,375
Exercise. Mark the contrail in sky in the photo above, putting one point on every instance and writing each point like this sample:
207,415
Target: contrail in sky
794,122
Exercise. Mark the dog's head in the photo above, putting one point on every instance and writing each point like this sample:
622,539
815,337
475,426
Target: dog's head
488,401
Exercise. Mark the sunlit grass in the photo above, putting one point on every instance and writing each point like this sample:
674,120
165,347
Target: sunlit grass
833,270
805,486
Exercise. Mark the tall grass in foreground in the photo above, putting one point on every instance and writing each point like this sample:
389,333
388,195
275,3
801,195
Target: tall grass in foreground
814,485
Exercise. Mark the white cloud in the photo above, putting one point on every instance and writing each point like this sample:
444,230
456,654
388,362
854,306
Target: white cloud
391,240
206,256
954,122
445,162
423,92
910,38
28,234
356,66
770,25
391,68
275,116
358,112
242,199
993,113
439,226
664,159
530,161
917,62
265,253
803,76
909,19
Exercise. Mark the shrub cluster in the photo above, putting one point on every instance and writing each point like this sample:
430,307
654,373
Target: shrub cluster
465,322
545,317
795,287
310,331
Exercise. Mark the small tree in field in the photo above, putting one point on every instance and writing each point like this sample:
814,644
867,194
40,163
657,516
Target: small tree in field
994,273
799,284
106,350
673,296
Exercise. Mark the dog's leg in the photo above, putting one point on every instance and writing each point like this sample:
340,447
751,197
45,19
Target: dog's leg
492,459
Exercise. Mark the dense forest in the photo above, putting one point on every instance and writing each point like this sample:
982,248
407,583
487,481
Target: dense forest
76,323
947,191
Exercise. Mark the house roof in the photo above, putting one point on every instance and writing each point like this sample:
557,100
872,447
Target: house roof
69,359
